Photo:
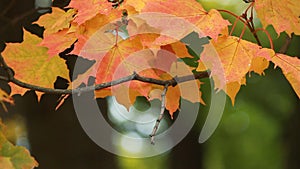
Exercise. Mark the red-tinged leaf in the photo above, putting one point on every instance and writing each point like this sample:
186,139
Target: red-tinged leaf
87,9
290,67
14,157
115,63
101,39
170,28
33,67
121,60
102,47
210,23
178,48
58,42
56,21
100,26
282,14
118,63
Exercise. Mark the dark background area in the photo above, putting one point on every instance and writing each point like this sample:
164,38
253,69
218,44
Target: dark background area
58,142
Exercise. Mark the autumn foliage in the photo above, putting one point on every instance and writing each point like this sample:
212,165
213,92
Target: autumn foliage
144,37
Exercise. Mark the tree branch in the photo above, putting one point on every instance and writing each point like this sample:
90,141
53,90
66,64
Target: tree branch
171,82
166,83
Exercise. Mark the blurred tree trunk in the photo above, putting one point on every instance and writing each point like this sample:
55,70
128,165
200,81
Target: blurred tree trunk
292,139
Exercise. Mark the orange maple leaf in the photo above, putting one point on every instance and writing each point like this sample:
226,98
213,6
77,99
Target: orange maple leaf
58,42
210,23
282,14
87,9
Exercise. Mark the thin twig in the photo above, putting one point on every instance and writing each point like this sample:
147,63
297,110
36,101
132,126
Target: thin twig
286,44
244,19
8,7
250,23
161,115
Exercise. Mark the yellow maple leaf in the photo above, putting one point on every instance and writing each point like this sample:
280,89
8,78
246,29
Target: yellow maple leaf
260,61
33,67
57,20
229,59
290,67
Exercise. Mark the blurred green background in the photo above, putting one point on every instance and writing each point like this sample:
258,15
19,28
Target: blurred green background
260,131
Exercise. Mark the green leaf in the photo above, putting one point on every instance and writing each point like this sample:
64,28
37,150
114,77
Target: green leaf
14,157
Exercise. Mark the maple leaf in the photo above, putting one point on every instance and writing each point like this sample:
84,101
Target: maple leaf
210,23
33,67
14,156
87,9
56,21
122,60
230,59
290,67
130,56
282,14
94,32
58,42
57,35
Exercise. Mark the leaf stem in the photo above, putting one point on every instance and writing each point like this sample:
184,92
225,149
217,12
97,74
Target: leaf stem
268,34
